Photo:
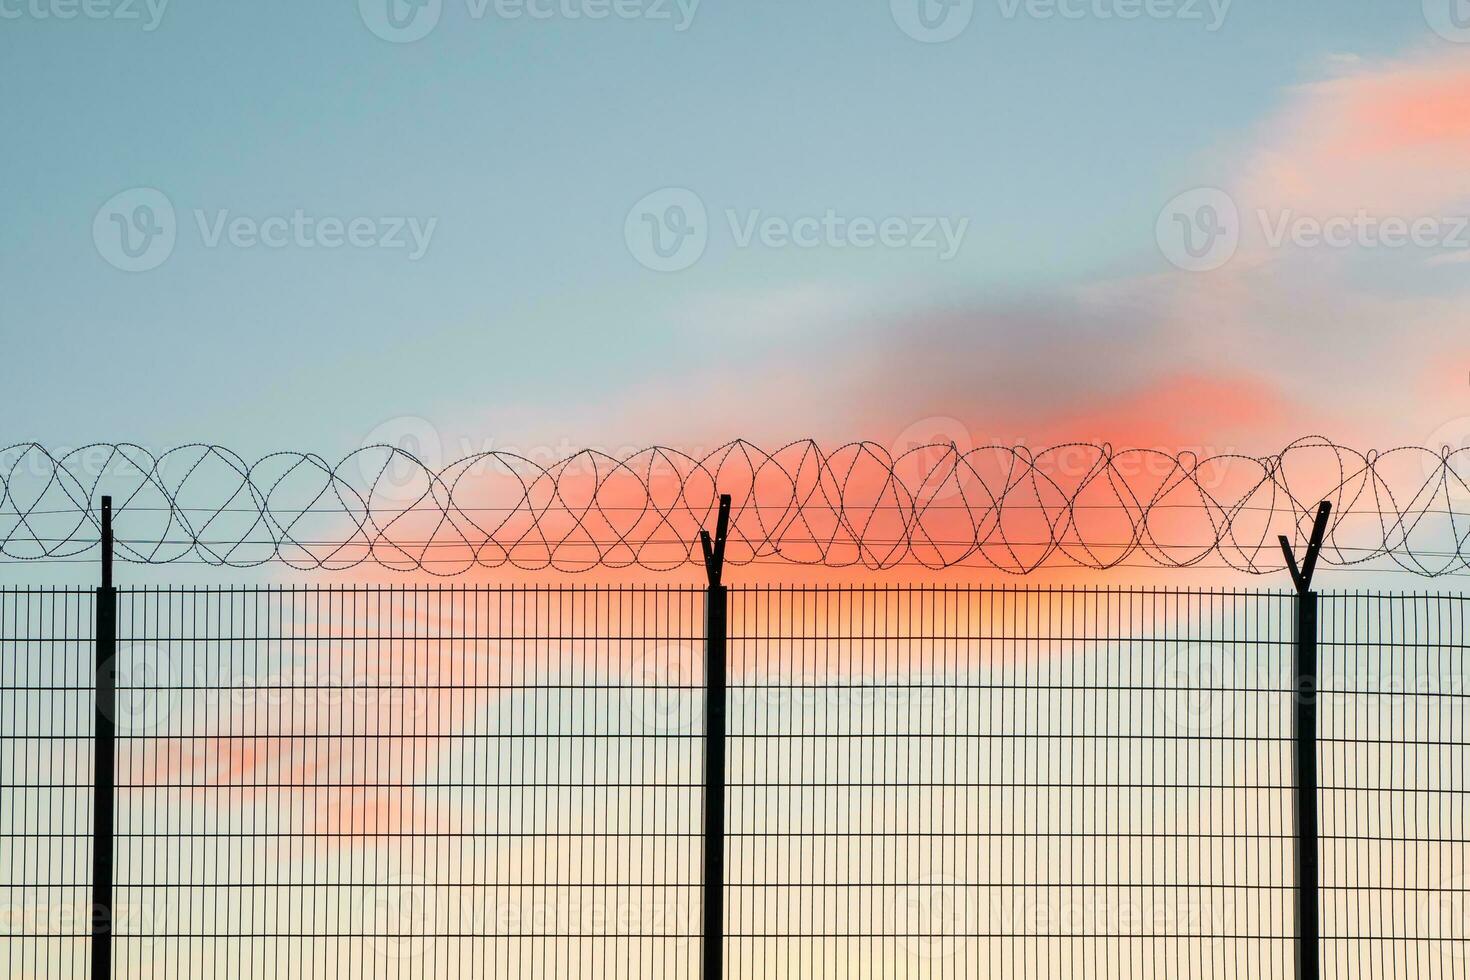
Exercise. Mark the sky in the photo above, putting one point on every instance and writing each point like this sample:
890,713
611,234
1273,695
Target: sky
543,226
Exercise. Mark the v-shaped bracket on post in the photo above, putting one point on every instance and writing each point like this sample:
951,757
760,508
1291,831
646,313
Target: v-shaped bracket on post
1302,576
714,554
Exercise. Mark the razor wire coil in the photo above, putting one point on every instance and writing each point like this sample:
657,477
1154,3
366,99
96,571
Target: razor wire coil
1009,509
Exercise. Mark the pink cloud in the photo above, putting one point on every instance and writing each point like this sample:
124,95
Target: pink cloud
1392,137
1279,344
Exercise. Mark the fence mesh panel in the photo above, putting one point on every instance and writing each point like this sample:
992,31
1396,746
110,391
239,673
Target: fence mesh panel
923,782
961,783
47,651
408,783
1394,745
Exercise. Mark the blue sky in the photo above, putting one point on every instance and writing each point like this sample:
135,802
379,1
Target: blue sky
483,190
528,141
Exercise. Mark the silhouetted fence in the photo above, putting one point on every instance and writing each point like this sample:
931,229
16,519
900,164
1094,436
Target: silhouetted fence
947,782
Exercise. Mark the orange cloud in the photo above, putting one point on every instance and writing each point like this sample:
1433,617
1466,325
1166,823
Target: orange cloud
1410,108
1390,137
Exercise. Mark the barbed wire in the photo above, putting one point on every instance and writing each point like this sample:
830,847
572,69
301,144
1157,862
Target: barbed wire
1006,508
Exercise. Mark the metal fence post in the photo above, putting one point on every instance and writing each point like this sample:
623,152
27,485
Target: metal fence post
715,663
1304,756
104,758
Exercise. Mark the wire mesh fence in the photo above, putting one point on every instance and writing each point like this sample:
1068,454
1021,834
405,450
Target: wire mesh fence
961,783
1394,744
407,783
46,675
938,782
